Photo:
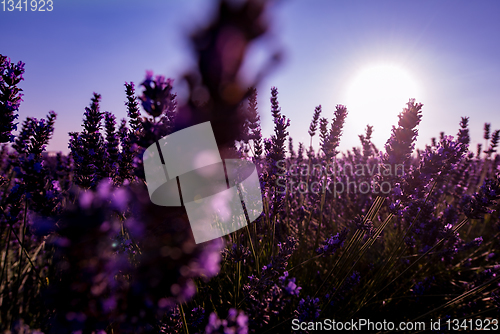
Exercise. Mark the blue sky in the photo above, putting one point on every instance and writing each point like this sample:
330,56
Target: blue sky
450,48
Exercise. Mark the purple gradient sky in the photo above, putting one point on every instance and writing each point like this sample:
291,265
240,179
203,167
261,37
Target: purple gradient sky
452,48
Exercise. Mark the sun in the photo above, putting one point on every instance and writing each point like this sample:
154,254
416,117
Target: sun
377,94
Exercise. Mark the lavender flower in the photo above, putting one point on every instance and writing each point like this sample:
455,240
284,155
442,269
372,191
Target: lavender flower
338,298
463,133
335,133
289,285
10,96
487,127
134,293
157,98
158,101
30,166
281,123
133,108
495,296
300,153
279,263
308,309
22,140
366,142
323,133
332,244
236,322
88,149
290,148
196,319
112,150
127,154
473,244
253,120
172,321
494,143
218,79
236,253
314,123
402,141
422,286
266,299
477,205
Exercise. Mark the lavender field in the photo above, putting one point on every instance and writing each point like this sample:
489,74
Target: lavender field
375,236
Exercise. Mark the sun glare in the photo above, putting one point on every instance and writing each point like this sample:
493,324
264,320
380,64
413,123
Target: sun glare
377,94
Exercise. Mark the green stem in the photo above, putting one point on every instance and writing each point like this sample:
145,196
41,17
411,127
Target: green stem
183,319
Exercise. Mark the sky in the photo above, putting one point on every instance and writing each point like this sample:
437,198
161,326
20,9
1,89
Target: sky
449,50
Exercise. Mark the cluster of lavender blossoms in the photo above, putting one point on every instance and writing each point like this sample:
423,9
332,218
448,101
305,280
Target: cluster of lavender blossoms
414,233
